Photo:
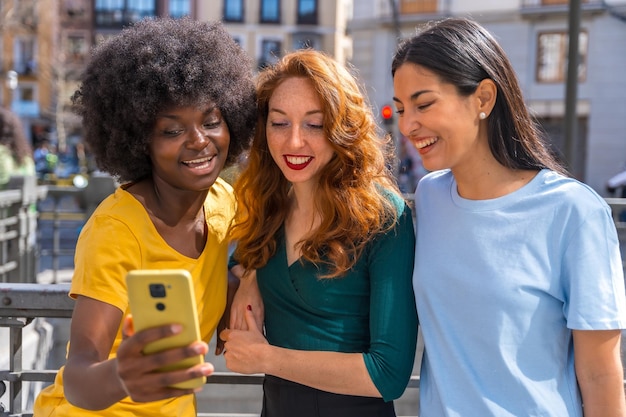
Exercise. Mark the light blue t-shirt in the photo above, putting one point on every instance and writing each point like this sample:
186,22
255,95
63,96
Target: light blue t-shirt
500,284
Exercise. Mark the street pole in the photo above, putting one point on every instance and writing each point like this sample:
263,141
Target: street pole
571,117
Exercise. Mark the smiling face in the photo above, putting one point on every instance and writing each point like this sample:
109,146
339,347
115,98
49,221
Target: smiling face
443,125
295,131
188,147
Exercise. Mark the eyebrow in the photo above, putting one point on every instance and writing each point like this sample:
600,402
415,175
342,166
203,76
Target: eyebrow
414,96
176,117
310,112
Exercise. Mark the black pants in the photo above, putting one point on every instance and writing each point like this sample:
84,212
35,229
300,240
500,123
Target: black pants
282,398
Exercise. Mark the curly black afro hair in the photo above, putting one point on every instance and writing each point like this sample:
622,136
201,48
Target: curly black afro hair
153,65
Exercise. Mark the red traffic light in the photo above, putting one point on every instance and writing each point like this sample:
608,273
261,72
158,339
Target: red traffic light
386,112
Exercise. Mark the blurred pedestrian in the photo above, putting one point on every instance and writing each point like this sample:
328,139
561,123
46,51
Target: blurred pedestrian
15,151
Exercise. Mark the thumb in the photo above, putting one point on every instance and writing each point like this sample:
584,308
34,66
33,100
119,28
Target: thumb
128,328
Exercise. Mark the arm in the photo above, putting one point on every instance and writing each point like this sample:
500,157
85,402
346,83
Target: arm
599,372
233,285
94,326
382,371
248,294
248,352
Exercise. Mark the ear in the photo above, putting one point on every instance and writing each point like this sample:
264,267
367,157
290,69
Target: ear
486,95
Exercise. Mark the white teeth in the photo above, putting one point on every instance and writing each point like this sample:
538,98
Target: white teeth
198,161
426,142
298,160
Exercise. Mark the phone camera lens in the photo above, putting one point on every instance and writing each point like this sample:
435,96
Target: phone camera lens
157,290
160,306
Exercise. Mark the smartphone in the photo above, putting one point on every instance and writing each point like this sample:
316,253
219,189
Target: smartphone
165,296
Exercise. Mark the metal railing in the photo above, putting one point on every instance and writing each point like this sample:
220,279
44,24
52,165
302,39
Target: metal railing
25,301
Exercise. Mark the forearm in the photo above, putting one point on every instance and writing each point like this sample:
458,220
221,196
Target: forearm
599,372
340,373
603,396
93,387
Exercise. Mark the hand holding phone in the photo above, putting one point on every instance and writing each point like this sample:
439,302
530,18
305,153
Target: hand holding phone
161,297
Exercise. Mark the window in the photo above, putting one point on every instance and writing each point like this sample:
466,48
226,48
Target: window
233,10
179,8
24,55
307,12
138,9
270,52
75,10
24,100
552,57
118,13
76,48
109,12
270,11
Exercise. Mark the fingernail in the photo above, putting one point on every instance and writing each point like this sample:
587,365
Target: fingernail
207,369
176,328
249,307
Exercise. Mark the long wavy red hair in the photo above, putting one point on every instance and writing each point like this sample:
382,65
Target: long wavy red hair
353,194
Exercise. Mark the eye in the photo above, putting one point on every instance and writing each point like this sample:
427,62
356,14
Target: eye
278,123
424,106
315,126
172,132
212,124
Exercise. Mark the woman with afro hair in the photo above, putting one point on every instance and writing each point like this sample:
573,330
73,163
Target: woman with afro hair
166,105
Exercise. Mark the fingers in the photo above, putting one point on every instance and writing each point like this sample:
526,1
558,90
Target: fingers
148,377
251,320
161,385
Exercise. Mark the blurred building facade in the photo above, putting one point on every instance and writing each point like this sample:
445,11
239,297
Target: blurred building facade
44,45
534,33
267,29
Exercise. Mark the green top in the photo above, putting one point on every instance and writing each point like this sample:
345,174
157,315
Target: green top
369,310
9,166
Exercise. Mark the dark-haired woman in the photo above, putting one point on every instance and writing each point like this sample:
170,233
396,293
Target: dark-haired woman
518,277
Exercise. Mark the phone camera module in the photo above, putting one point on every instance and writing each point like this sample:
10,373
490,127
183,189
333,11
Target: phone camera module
157,290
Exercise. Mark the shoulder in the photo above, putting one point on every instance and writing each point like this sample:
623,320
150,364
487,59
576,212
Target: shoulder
568,192
221,196
436,179
220,207
397,201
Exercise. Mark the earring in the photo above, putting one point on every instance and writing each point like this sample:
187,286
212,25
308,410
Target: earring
482,115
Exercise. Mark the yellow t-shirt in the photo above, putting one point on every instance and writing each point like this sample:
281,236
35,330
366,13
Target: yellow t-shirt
120,237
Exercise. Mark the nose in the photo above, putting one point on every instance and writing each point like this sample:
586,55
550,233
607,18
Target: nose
296,137
198,138
408,122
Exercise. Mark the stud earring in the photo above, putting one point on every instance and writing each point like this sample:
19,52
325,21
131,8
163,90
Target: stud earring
482,115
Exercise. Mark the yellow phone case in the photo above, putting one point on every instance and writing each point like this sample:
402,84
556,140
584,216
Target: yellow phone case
165,296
